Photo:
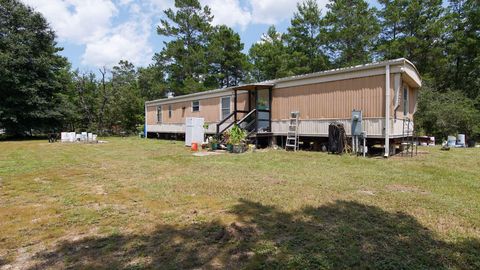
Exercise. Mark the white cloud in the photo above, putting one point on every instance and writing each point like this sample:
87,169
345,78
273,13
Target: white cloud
126,42
77,21
274,11
229,12
91,23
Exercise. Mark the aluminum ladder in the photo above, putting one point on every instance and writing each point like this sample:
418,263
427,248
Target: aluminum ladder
292,133
409,141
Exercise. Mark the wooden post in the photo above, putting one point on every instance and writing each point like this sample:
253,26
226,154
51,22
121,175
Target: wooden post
235,106
270,109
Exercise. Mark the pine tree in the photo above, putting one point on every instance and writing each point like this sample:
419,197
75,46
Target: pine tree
32,74
350,29
228,64
414,30
391,22
270,57
463,47
184,57
304,38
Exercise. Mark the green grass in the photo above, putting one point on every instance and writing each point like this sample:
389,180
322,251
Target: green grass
136,204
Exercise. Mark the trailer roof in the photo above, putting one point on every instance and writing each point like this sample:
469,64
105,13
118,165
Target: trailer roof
405,66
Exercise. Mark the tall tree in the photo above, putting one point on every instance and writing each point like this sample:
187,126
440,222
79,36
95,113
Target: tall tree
32,74
151,81
351,29
127,110
270,57
391,19
414,30
463,47
304,37
228,64
184,57
85,93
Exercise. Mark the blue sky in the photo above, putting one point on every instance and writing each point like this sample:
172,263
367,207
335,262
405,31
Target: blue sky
96,33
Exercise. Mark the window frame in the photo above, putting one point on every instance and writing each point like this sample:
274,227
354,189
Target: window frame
193,106
406,100
159,114
229,107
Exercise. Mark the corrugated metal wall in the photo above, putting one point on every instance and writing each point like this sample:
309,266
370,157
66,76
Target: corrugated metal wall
209,109
331,100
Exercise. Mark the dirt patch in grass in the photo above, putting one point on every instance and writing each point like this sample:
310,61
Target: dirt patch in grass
274,180
406,188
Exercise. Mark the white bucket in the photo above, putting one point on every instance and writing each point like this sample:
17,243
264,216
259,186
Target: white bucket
452,141
432,141
461,139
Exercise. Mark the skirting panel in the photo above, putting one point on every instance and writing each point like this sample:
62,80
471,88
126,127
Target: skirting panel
373,127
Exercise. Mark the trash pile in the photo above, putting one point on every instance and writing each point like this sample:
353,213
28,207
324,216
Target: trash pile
85,137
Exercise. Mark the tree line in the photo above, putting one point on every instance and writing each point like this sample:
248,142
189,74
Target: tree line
40,91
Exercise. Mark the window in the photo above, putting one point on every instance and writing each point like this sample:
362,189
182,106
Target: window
225,107
159,114
195,106
170,111
405,101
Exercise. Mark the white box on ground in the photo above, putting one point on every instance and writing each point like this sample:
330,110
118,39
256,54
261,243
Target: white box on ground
84,136
194,131
64,136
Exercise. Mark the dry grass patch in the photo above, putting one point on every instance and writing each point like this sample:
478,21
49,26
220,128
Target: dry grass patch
149,204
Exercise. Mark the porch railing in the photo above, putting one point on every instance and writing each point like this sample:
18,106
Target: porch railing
233,114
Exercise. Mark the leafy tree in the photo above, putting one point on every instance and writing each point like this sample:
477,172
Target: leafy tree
447,113
351,29
184,57
228,64
85,96
304,39
391,16
414,30
151,82
128,108
270,57
463,47
32,74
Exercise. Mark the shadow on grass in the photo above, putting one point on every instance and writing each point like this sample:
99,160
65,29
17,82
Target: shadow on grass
339,235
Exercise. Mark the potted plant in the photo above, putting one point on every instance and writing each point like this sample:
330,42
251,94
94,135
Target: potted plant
213,143
226,139
237,139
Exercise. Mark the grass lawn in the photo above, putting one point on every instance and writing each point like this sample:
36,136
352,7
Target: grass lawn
135,204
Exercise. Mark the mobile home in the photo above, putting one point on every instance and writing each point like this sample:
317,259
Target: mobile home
386,93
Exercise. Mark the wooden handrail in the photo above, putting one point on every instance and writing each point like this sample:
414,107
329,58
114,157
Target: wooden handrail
246,116
223,121
230,124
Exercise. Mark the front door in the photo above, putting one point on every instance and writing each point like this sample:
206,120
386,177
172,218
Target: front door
263,103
